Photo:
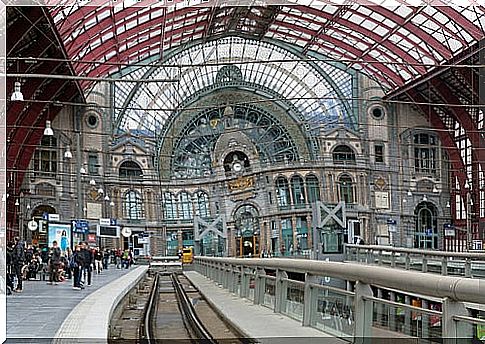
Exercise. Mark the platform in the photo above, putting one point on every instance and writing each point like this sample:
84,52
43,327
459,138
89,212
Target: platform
36,314
257,322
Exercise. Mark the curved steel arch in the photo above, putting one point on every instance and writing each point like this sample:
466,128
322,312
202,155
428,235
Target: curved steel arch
136,33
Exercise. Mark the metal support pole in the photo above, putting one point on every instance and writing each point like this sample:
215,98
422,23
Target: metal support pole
407,316
444,266
424,267
424,321
281,291
244,289
259,287
454,331
310,301
408,261
380,307
363,313
392,312
468,268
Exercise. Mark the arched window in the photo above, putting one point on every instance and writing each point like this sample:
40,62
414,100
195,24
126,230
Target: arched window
425,153
313,189
170,206
346,189
133,205
343,154
298,191
202,204
130,169
45,157
282,193
185,206
426,232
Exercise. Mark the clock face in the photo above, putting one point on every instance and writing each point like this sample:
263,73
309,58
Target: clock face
237,166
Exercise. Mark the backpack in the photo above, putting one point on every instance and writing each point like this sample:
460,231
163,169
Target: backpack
18,253
72,262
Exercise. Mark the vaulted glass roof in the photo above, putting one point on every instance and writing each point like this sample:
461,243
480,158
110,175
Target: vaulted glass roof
320,92
395,43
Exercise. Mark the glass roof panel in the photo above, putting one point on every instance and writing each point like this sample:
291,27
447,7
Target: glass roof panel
438,32
306,88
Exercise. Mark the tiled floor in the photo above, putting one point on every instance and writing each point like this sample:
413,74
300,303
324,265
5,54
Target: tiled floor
35,315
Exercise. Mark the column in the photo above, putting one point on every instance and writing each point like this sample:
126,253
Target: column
309,231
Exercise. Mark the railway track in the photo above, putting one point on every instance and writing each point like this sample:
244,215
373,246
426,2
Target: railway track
176,311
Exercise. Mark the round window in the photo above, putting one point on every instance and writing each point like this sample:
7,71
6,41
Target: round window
377,111
92,120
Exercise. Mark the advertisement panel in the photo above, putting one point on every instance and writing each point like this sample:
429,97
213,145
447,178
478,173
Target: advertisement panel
60,233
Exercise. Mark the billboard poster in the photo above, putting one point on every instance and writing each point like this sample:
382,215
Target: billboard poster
60,233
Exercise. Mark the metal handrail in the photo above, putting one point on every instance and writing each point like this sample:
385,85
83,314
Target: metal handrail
403,305
475,321
455,288
470,255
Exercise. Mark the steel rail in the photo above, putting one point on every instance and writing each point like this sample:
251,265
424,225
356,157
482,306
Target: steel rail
189,313
146,328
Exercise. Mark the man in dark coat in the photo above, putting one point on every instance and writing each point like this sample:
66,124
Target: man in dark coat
18,259
54,263
87,261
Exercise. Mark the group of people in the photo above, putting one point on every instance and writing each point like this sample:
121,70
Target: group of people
25,262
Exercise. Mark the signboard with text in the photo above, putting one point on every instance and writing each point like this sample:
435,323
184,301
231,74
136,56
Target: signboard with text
108,231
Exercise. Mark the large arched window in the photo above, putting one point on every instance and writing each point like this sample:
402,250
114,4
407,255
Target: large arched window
426,232
170,206
343,154
313,189
298,191
185,206
283,193
130,169
133,205
202,204
425,153
346,189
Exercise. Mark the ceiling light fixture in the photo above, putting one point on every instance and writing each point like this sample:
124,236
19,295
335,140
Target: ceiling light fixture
67,153
17,94
48,130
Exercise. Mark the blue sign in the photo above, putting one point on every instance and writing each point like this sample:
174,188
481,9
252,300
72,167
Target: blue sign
112,222
391,222
80,226
448,225
45,216
429,232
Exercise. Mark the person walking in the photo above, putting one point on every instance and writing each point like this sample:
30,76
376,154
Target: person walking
18,259
87,263
97,261
75,264
54,263
106,255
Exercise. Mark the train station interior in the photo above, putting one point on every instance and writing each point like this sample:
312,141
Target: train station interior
246,130
351,132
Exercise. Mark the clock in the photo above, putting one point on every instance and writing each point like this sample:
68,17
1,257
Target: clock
237,167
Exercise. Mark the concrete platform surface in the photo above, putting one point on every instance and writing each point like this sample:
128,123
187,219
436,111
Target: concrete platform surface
257,322
35,315
91,317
